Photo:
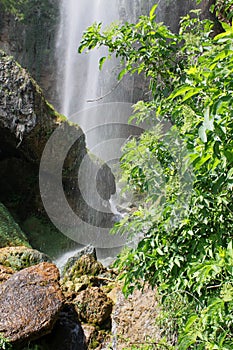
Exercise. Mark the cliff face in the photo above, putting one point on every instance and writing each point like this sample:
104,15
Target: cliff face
32,41
27,122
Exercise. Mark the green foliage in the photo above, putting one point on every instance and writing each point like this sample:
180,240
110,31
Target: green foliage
4,343
224,9
183,177
24,10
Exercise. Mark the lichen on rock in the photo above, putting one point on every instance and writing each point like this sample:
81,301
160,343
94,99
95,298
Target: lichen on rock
5,273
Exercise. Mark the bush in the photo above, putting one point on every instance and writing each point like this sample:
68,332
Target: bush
185,175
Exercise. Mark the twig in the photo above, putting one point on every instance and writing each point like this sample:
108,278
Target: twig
108,93
212,287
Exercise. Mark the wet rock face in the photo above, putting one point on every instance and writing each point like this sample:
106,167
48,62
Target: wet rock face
27,123
22,109
22,117
19,258
30,302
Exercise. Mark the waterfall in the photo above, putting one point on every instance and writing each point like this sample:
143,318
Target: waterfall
79,81
78,74
104,120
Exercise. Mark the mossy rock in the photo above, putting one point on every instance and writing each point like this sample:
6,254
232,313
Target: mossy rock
10,232
87,250
93,306
86,265
19,258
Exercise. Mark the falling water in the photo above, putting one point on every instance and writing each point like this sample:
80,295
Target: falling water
79,73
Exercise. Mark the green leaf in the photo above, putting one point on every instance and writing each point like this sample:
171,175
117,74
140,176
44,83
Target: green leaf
152,11
122,73
191,93
180,91
226,26
101,62
208,123
229,155
230,174
160,252
192,319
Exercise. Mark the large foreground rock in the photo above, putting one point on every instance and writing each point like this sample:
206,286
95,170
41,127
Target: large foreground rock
30,303
5,273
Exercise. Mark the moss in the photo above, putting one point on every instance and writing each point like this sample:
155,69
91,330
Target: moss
86,265
19,258
54,114
45,237
10,232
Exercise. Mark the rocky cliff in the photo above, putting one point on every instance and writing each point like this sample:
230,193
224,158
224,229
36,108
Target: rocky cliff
27,121
31,41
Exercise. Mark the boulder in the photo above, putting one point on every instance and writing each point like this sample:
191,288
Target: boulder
19,258
134,318
78,274
86,265
93,306
10,232
88,250
30,303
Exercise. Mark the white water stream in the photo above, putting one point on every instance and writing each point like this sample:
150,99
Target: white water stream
78,74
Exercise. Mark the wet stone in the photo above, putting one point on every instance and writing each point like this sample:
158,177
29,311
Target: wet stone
30,303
